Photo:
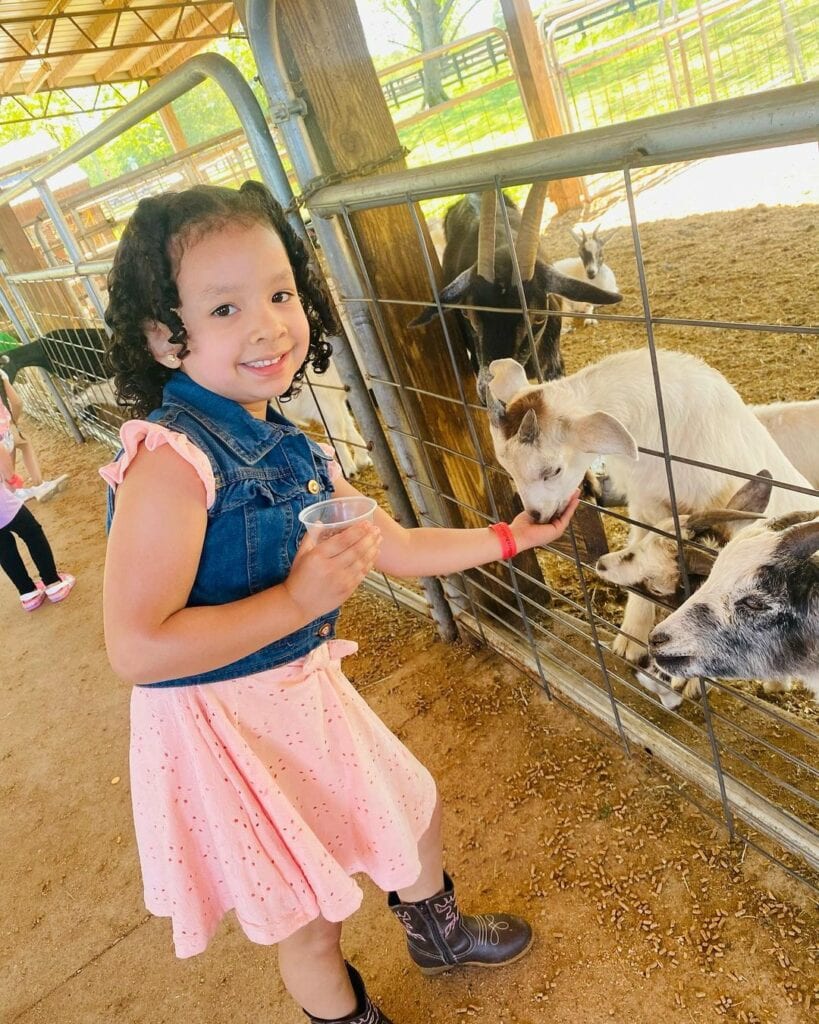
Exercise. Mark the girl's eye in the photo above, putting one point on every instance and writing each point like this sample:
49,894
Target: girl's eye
224,310
282,296
752,603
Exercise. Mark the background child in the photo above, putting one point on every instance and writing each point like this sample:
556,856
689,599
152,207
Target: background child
15,519
261,780
13,439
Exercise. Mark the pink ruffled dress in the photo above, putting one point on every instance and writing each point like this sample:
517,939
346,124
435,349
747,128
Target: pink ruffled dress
265,794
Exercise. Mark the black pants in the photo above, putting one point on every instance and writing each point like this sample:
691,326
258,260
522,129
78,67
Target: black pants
31,533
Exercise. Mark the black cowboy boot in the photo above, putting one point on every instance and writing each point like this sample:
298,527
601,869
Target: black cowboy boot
440,937
364,1013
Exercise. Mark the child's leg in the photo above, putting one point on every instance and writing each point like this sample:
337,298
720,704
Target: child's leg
313,970
12,564
30,461
430,853
31,533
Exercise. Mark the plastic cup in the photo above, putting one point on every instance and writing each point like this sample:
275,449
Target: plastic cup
327,518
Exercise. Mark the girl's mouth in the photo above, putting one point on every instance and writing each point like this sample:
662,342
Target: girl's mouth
265,367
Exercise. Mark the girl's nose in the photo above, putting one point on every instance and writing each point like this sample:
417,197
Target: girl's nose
269,323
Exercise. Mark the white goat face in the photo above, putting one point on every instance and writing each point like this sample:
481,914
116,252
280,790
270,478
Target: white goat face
546,452
751,619
650,563
590,249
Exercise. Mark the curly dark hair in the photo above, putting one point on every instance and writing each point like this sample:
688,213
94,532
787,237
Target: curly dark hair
142,286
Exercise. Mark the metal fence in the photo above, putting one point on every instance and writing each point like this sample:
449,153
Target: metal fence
748,764
656,58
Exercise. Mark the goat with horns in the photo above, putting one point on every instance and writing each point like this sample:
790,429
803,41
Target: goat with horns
480,268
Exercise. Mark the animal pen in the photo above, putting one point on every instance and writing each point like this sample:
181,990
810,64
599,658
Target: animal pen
746,763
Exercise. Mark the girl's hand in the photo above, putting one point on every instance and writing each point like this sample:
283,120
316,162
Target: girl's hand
530,534
324,575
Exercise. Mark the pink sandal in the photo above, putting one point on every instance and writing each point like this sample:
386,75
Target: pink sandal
32,601
59,591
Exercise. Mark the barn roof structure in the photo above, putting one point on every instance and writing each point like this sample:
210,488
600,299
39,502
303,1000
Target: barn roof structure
49,46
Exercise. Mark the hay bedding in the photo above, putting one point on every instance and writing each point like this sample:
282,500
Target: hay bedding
642,911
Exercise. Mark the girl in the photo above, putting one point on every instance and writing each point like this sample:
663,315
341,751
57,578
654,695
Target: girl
13,439
15,518
261,781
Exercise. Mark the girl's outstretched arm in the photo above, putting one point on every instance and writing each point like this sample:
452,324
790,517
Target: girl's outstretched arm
437,551
154,550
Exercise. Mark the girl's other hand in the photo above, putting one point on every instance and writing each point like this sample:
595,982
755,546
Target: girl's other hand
530,534
324,575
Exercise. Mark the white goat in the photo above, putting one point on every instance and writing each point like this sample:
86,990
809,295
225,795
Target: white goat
546,436
588,265
330,396
652,562
351,447
757,614
795,428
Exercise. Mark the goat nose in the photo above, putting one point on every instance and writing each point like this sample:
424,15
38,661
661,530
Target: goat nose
601,564
533,512
658,639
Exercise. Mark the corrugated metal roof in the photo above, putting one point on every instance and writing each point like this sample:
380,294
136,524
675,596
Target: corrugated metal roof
57,44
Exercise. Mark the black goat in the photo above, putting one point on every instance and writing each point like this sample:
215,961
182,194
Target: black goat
67,352
478,265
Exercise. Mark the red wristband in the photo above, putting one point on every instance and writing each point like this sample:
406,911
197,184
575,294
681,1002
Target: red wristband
504,533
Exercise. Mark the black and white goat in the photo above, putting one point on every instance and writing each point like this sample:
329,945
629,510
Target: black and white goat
757,614
67,352
588,265
478,265
548,435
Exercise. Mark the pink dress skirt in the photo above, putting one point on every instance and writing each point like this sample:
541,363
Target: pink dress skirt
265,794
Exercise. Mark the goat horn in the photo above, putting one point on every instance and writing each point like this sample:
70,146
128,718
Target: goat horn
529,231
716,517
486,236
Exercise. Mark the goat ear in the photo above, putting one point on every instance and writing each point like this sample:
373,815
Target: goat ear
578,234
697,562
601,434
506,379
754,495
453,292
800,542
529,430
494,406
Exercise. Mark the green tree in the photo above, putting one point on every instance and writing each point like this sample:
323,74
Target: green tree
431,23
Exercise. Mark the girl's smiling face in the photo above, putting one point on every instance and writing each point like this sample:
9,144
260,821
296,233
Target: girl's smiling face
247,333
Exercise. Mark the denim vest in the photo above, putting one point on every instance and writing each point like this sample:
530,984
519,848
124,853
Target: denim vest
266,472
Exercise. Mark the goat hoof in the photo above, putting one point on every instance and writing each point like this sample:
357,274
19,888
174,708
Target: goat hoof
627,649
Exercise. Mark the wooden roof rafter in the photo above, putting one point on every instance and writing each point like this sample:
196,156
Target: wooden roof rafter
88,42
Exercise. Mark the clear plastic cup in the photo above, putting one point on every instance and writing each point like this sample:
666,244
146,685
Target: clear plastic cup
327,518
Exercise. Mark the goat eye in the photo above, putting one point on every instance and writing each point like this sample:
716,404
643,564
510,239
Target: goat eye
752,603
550,474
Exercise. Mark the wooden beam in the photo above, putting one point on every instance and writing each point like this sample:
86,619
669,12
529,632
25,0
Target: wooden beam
148,29
173,129
351,127
97,29
30,41
160,59
537,91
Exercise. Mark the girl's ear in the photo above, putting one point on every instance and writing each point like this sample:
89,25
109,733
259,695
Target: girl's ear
161,348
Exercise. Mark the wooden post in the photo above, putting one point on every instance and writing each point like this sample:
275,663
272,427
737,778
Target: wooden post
46,298
351,127
173,129
538,92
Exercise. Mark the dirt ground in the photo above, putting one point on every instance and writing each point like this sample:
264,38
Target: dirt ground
643,909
